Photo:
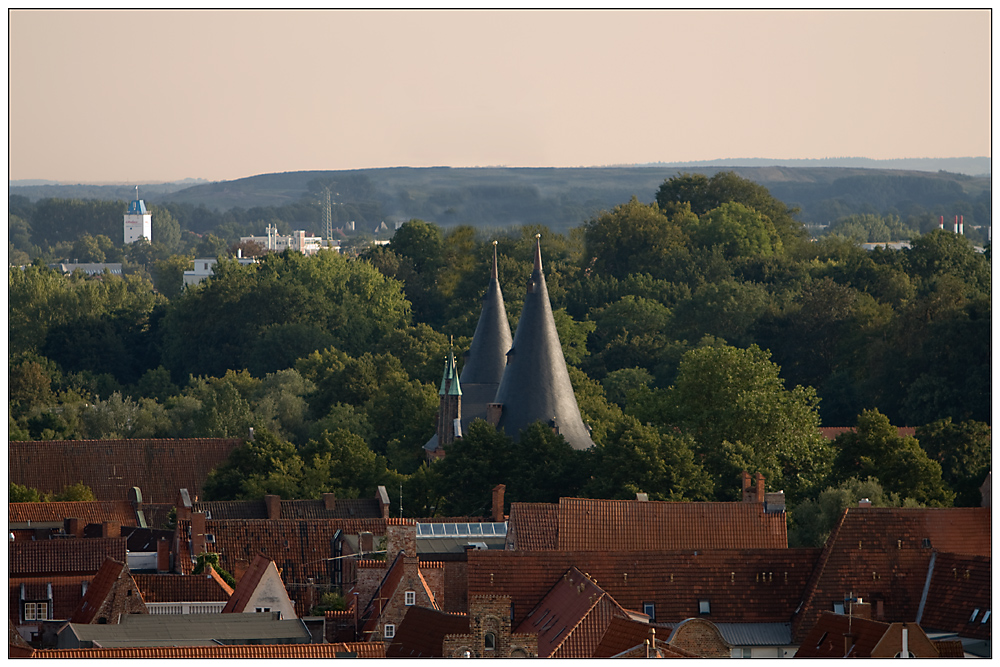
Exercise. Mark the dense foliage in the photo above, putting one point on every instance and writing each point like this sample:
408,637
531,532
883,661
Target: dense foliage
705,333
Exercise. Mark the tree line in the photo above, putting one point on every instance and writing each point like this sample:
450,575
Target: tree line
705,332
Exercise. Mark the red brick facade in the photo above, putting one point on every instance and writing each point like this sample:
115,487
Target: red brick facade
490,633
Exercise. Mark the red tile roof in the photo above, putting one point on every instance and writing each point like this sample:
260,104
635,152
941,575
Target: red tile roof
112,467
421,633
826,638
762,585
66,593
572,617
272,651
99,589
959,585
533,526
64,556
96,511
344,508
247,585
182,588
883,553
624,634
629,525
584,524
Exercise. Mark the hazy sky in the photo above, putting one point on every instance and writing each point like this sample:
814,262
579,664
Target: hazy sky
146,96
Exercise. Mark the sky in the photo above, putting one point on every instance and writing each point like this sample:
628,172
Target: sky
149,96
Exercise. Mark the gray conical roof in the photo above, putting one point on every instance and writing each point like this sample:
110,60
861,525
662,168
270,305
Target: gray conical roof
487,356
535,384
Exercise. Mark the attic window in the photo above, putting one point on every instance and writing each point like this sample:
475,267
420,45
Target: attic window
36,611
838,607
209,538
649,609
986,616
975,612
704,607
410,598
390,631
926,543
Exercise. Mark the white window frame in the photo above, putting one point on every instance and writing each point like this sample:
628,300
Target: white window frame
649,608
410,598
389,631
39,611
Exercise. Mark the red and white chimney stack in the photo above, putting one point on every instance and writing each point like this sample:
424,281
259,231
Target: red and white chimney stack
961,225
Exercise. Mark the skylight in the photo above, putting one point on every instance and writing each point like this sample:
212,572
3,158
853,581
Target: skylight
461,529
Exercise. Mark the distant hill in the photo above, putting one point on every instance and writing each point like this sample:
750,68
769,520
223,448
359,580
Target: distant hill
560,198
970,166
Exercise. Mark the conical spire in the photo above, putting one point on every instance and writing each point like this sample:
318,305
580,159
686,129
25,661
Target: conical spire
450,385
486,358
536,385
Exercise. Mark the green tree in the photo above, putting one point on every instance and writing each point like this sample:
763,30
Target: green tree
632,238
734,404
23,494
812,520
256,458
475,464
964,452
875,449
168,274
738,231
639,458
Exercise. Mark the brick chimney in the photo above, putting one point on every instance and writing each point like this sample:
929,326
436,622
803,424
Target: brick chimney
498,491
240,568
273,504
162,555
111,529
366,542
183,505
861,609
745,486
197,533
383,498
329,502
74,527
864,502
400,535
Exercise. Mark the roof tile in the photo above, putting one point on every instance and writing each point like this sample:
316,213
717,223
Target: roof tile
64,556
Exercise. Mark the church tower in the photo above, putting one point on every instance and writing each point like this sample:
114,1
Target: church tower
483,365
535,384
138,222
449,424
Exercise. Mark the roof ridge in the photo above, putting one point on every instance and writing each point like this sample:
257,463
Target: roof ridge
817,575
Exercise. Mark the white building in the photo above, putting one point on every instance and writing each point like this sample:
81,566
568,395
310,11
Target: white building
299,241
138,222
203,268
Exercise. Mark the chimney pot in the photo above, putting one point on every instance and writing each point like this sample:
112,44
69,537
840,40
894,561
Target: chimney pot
329,501
273,504
498,493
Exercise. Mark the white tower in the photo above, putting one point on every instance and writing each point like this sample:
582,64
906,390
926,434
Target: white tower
137,221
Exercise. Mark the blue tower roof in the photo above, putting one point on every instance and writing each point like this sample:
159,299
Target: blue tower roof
137,206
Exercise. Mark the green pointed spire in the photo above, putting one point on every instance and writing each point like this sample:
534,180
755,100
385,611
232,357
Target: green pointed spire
455,388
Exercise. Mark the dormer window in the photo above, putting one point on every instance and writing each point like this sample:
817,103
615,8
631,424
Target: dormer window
410,598
704,607
36,611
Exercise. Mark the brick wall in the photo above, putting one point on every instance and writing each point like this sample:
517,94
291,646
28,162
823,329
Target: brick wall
456,587
490,614
702,638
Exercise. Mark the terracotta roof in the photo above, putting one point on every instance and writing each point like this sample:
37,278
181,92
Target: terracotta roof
831,432
959,585
583,524
112,467
949,648
96,511
182,588
883,553
421,633
533,526
64,556
247,585
572,617
624,634
761,585
826,639
344,508
66,593
99,589
273,651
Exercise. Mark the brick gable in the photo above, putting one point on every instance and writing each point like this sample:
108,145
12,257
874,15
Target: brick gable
111,594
